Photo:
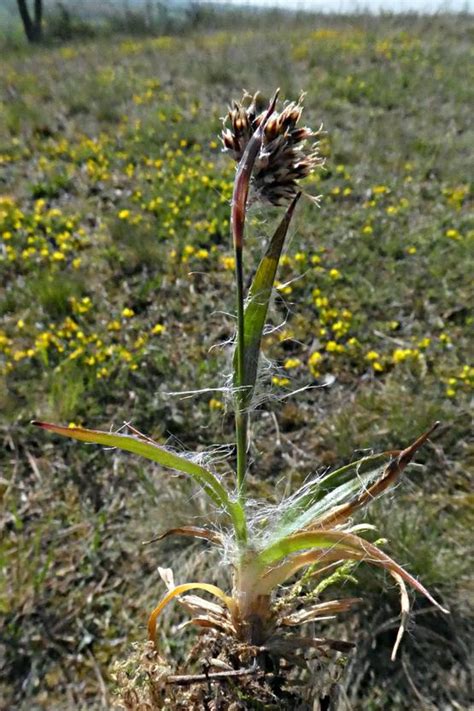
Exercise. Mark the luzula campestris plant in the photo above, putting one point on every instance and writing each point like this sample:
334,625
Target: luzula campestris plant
312,530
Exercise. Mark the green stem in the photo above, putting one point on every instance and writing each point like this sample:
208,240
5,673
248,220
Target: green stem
241,420
237,219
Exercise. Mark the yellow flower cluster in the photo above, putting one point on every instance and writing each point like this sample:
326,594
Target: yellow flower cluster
41,236
463,379
456,195
375,361
400,355
314,362
380,362
291,363
74,340
280,381
333,321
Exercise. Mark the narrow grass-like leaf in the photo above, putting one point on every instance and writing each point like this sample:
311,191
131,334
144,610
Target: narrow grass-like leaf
280,572
146,449
178,590
321,496
389,476
347,546
256,308
337,495
150,450
404,612
192,532
320,609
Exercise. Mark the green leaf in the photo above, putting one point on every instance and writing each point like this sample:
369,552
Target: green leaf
276,552
256,308
347,546
150,450
371,490
329,491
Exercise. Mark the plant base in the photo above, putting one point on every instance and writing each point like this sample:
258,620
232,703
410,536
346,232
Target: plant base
222,674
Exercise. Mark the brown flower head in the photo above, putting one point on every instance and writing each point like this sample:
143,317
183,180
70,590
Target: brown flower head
288,153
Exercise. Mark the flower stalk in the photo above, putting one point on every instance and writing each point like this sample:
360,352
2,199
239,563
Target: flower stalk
238,212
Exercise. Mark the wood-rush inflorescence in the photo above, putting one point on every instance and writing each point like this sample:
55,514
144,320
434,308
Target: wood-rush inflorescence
288,152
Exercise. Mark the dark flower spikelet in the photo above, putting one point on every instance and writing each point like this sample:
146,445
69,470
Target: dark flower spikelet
288,153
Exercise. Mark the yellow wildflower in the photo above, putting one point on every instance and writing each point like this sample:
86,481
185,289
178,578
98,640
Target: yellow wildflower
321,302
453,234
280,382
313,362
315,358
400,355
228,263
291,363
333,347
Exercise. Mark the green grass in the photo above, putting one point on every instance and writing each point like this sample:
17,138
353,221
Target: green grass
114,221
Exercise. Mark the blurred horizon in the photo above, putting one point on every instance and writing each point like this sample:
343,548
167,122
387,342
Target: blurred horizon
355,6
9,10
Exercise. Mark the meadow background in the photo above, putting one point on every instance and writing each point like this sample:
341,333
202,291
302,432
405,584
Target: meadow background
116,289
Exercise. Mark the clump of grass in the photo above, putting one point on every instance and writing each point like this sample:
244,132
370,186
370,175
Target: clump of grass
53,294
309,533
